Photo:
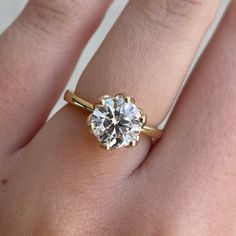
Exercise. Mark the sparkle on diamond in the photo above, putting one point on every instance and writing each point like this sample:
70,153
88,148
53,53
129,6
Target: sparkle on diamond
117,123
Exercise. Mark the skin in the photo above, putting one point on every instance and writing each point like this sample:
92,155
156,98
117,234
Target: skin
56,180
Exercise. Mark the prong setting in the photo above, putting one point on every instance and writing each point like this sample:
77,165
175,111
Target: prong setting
130,99
102,99
116,121
105,147
134,142
143,119
126,97
89,123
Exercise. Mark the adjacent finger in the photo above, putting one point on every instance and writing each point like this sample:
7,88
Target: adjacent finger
37,55
195,167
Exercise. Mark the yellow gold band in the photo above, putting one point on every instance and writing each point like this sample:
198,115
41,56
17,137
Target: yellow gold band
73,99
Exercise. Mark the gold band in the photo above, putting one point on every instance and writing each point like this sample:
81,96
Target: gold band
79,102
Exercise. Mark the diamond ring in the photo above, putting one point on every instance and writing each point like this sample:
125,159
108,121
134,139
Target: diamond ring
115,121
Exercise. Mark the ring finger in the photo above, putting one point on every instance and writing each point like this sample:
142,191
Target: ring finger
147,55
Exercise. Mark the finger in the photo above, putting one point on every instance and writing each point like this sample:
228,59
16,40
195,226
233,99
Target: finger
196,159
38,53
146,55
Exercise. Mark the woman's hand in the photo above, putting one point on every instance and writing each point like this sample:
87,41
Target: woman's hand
56,180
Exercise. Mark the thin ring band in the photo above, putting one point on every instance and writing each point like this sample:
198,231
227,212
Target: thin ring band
76,101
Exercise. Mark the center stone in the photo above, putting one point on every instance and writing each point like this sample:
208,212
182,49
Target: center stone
117,122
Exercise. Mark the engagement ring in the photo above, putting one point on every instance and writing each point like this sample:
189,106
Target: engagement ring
115,121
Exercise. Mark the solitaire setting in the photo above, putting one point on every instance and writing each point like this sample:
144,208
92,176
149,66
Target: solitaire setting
115,121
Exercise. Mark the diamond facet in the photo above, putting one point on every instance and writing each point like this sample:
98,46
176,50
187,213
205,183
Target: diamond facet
116,122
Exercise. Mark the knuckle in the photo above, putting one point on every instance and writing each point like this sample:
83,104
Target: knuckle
182,7
59,8
197,11
167,12
51,16
52,10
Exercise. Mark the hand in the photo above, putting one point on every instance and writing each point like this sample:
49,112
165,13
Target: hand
56,180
